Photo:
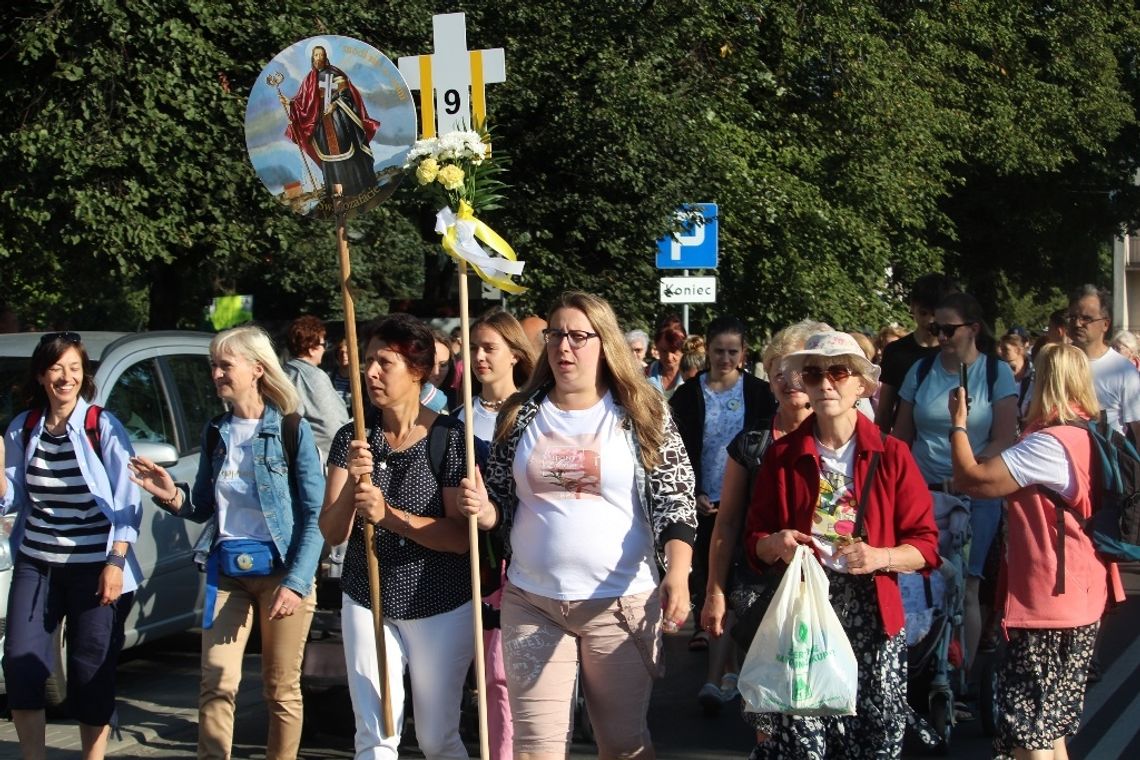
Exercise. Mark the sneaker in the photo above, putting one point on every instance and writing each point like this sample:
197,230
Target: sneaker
711,699
728,690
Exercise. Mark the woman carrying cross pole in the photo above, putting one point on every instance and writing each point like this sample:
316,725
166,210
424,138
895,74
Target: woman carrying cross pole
391,481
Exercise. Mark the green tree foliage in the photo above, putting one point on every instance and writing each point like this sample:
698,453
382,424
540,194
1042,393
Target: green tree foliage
851,146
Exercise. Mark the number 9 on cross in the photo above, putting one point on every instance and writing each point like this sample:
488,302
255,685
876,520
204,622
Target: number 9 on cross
451,102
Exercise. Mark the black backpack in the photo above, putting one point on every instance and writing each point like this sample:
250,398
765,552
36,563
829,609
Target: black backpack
491,543
1114,526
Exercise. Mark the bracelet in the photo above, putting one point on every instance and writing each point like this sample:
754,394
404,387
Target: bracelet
401,516
956,428
168,503
117,560
890,564
715,593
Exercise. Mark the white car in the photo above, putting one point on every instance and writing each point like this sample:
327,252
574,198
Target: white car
158,385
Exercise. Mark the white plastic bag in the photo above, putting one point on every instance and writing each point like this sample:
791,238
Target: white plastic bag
800,662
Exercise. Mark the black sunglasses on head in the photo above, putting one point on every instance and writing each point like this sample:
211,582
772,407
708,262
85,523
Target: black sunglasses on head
68,337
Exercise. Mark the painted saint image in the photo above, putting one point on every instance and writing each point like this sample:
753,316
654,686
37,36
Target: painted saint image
330,111
329,120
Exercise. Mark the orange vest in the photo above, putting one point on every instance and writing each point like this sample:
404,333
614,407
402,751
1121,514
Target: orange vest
1033,600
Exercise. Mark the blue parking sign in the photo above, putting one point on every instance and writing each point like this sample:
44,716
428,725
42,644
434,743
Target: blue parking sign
695,246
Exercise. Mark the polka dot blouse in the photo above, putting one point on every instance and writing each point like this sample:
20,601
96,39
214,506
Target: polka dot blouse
415,582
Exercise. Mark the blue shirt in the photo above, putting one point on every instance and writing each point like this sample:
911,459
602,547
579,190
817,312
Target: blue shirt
108,478
931,447
724,418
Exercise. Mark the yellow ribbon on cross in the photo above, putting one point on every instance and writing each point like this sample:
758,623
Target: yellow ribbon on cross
461,235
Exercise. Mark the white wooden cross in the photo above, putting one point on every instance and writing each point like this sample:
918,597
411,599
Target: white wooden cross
451,80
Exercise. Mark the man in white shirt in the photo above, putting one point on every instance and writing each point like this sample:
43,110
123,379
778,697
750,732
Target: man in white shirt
1116,381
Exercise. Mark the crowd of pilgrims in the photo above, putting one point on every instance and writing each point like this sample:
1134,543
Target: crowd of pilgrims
627,484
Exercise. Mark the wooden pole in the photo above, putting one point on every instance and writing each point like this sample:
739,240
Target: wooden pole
472,523
359,434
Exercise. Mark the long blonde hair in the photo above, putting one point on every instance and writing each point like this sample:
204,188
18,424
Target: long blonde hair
644,406
513,335
1062,386
253,344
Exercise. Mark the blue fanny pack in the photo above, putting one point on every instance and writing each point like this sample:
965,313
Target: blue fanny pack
243,556
240,557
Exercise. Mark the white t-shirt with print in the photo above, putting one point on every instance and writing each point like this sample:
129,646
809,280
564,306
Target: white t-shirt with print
579,531
1117,386
238,506
835,513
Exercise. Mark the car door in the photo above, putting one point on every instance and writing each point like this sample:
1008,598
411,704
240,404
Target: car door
162,393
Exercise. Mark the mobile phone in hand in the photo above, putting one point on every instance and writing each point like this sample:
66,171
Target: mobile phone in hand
963,384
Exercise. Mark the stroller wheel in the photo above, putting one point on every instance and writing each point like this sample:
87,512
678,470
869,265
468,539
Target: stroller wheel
942,719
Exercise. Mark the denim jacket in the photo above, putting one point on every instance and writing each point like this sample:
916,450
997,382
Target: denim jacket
291,509
110,483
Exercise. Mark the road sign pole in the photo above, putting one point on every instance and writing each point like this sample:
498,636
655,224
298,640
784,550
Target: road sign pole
685,308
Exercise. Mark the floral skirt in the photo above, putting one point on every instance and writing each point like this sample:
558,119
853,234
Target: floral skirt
876,730
1041,686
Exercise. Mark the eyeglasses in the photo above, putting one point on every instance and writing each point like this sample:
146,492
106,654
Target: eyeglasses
67,337
836,373
947,331
578,338
1083,320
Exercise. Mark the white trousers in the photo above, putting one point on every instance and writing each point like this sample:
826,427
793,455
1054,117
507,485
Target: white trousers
437,652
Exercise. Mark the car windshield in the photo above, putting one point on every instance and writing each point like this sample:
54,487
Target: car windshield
13,375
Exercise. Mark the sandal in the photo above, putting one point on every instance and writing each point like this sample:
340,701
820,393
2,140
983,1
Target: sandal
699,642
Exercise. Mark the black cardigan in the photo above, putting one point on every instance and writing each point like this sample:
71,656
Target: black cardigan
688,407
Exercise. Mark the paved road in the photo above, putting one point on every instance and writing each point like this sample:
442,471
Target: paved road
158,694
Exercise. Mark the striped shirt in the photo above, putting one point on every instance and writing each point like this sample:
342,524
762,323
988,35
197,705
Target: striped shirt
65,525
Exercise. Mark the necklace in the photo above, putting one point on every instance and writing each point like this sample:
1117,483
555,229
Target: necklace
395,445
494,406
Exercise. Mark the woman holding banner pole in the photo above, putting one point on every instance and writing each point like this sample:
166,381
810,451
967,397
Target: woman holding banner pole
389,482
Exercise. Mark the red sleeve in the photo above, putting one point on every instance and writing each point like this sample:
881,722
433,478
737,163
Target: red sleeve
914,510
763,510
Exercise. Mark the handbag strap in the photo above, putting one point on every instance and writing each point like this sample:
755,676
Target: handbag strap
865,494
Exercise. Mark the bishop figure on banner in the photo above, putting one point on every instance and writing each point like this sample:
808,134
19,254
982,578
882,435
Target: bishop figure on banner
329,121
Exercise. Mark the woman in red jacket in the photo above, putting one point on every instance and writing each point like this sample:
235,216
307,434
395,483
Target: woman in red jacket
808,492
1053,602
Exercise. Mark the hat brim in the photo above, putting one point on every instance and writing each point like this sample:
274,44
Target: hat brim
868,372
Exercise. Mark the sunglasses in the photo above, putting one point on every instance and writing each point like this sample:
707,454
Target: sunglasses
67,337
947,331
836,373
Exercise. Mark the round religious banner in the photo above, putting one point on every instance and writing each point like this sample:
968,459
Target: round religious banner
330,115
